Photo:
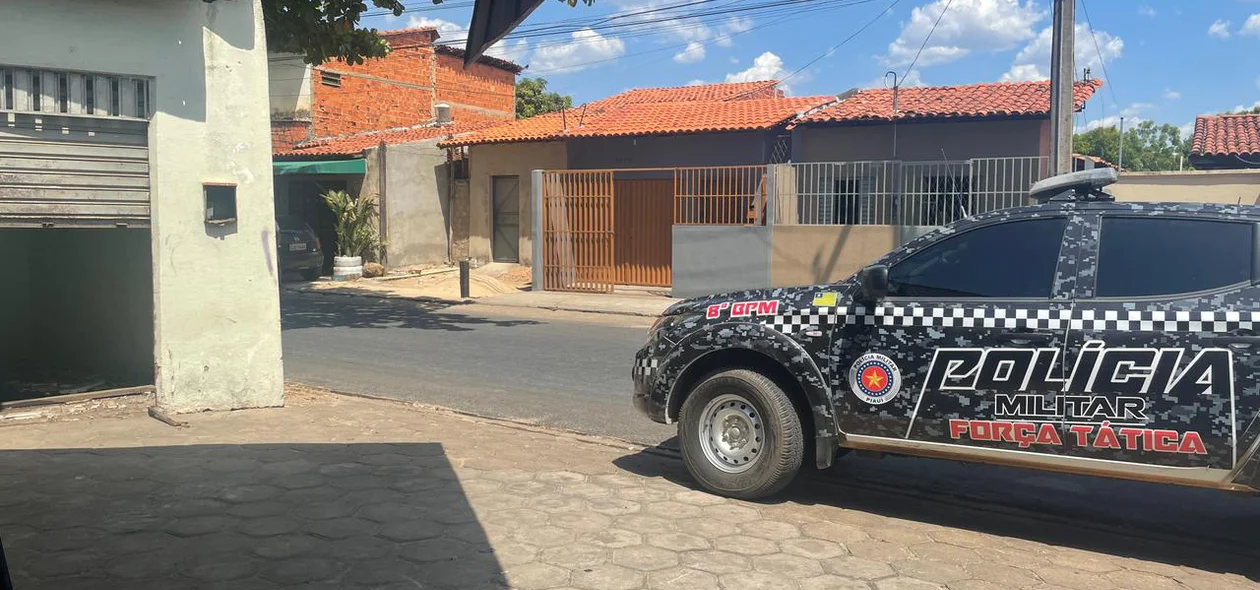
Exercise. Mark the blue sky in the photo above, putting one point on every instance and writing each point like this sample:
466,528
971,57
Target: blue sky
1165,60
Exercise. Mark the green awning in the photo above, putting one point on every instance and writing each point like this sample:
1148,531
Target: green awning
356,166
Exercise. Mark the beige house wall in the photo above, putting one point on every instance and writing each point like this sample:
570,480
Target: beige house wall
951,140
816,254
1196,186
512,159
216,309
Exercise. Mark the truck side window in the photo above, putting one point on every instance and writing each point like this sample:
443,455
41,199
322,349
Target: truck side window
1145,256
1006,260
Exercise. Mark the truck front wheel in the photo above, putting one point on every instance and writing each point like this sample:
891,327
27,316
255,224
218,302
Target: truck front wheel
740,435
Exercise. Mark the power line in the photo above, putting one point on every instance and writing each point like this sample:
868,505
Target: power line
1106,76
763,8
829,50
793,15
926,39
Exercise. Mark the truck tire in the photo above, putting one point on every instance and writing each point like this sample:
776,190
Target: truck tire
740,435
310,274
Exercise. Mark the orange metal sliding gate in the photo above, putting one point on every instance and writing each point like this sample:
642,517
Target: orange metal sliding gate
600,230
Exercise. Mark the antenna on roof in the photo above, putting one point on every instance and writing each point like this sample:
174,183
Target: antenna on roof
895,88
582,117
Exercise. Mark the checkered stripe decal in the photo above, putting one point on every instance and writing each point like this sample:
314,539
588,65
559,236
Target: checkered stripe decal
799,319
645,366
1033,319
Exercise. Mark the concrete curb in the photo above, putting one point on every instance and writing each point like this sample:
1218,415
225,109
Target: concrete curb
454,302
422,299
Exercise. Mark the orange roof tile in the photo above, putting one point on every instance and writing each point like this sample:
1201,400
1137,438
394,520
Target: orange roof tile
1006,99
1226,135
744,106
354,144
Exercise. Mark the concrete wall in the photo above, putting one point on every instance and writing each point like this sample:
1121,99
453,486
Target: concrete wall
705,149
288,86
417,203
713,259
815,254
1194,186
518,159
920,141
217,316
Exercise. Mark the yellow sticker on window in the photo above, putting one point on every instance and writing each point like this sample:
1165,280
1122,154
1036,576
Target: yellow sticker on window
825,299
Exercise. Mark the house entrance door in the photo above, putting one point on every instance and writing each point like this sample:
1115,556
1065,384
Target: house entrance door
506,213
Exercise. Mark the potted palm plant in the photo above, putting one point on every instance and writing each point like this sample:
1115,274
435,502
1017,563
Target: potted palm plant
357,236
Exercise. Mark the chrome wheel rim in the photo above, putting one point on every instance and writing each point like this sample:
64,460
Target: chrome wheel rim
731,433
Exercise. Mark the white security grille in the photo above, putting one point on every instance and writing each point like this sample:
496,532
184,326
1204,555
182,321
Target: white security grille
892,192
28,90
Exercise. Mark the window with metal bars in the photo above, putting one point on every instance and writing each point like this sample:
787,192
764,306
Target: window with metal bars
332,79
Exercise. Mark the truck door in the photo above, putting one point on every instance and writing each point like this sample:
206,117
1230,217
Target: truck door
973,322
1164,347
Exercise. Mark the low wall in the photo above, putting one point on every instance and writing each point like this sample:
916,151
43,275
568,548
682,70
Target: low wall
1195,186
816,254
714,259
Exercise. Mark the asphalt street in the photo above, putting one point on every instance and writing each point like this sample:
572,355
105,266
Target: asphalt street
549,368
573,371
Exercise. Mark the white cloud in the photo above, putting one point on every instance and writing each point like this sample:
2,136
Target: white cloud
584,47
452,33
1146,10
697,83
1024,73
692,54
1112,121
1033,61
732,26
653,16
1252,26
910,81
1241,107
1219,29
1187,130
1170,94
767,66
969,25
1132,116
447,30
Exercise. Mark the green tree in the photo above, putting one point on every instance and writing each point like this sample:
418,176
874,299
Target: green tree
324,30
1251,111
533,99
1146,147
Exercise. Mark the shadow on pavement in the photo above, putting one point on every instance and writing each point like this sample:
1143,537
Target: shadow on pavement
335,311
1204,529
241,517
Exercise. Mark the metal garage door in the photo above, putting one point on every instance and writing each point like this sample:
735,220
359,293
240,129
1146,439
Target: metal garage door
73,149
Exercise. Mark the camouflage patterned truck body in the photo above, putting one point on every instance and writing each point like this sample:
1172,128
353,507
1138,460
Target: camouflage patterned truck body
1104,338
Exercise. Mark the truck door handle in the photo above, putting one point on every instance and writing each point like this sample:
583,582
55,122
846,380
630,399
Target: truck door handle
1243,342
1023,337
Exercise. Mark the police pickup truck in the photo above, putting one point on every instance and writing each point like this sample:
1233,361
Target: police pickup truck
1078,335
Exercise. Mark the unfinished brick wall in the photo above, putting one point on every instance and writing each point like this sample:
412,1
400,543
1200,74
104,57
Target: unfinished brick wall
286,133
479,93
395,91
399,90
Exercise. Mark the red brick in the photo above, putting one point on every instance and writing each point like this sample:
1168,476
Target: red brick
285,134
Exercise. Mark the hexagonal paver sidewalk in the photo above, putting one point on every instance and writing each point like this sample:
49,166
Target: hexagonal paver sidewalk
336,492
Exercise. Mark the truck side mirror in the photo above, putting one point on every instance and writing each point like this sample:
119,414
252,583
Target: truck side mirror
874,280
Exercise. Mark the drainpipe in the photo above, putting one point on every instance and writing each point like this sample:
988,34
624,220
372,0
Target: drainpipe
380,190
450,205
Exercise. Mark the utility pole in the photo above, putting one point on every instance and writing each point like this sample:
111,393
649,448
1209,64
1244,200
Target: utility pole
1062,82
1120,164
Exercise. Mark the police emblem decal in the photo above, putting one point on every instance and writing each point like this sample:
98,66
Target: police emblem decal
875,379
